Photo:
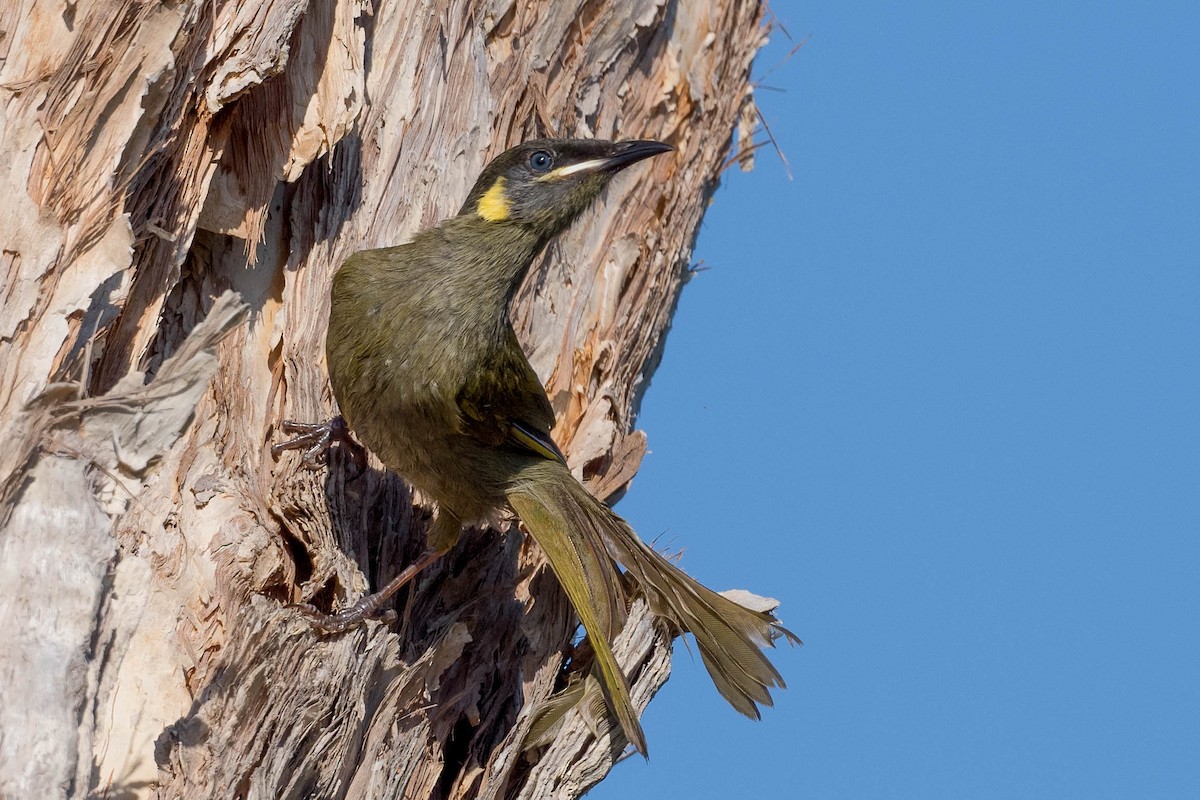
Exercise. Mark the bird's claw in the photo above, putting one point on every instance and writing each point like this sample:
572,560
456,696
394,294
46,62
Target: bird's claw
368,607
313,437
316,438
344,620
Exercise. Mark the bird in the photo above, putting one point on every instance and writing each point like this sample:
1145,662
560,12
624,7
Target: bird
429,375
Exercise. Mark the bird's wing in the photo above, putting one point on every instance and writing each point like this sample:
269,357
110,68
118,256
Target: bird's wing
505,404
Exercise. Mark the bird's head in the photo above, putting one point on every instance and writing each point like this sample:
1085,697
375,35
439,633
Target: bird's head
544,183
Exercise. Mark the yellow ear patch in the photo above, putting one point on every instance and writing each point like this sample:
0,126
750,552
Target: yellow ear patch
494,206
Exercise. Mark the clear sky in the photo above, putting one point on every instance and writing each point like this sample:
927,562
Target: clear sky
940,395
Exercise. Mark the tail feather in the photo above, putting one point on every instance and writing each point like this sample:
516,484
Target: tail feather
578,557
730,636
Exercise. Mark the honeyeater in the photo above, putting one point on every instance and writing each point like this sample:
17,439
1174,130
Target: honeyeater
428,373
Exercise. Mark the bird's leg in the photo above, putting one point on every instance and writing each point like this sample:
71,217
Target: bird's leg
315,438
369,606
442,536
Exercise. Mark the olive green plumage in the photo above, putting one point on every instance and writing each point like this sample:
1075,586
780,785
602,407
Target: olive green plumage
428,372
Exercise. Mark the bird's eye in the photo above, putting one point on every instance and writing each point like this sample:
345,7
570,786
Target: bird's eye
541,161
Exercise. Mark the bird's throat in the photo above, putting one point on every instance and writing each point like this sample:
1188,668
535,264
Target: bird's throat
489,260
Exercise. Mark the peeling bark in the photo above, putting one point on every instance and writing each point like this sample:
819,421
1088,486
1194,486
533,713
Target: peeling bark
182,181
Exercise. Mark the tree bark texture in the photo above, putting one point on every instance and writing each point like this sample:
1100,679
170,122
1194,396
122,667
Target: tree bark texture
181,181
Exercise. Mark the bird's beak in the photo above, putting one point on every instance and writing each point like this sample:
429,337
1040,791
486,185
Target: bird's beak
623,154
631,152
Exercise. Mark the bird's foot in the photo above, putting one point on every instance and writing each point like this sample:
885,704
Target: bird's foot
346,619
316,439
367,607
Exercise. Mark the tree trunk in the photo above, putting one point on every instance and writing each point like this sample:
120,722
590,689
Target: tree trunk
181,180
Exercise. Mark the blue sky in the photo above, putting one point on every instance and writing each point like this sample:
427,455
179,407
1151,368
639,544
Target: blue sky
940,394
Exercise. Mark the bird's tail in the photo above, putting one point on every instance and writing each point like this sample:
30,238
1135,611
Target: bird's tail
582,537
560,518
